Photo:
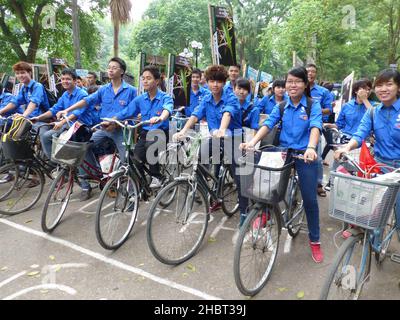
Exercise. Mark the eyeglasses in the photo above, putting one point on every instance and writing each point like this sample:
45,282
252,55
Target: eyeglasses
296,82
112,68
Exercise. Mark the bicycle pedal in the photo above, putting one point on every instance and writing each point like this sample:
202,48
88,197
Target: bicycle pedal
395,258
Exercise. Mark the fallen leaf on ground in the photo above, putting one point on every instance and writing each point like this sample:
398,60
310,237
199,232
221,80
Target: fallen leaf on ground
44,291
212,239
57,268
282,289
191,267
300,295
52,258
34,266
33,273
329,229
141,265
184,274
29,221
4,269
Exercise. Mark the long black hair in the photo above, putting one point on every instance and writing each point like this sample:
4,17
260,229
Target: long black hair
301,73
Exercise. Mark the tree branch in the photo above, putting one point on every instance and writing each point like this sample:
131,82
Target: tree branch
19,12
9,35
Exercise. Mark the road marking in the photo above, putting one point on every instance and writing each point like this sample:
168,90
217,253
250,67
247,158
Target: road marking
111,261
220,227
82,210
7,281
53,286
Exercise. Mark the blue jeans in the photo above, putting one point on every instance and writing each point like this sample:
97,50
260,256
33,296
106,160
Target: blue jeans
98,139
394,164
308,181
46,138
319,161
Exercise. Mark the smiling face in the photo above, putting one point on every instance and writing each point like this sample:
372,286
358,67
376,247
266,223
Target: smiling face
312,74
67,82
23,76
387,92
196,79
233,73
295,87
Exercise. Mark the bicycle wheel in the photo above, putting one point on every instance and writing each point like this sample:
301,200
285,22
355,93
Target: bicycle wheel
349,271
295,212
229,193
175,232
384,232
256,250
21,186
57,200
170,169
116,211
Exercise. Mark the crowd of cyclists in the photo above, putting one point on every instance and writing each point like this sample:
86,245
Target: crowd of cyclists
303,109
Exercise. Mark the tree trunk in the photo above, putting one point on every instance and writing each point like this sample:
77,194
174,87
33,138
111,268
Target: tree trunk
116,38
76,35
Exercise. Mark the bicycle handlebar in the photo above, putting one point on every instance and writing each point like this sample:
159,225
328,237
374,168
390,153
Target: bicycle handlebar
126,125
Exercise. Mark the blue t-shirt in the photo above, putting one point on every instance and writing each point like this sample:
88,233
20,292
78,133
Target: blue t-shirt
296,125
386,128
83,115
34,93
324,97
112,104
250,118
152,108
5,99
213,112
267,104
195,99
350,117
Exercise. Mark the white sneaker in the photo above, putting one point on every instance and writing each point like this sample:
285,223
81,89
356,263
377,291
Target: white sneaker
155,183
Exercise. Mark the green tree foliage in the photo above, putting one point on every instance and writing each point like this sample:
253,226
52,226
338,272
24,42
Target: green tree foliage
169,26
23,37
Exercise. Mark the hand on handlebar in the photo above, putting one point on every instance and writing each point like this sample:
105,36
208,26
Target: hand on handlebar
248,146
310,156
179,136
108,126
339,153
155,120
61,114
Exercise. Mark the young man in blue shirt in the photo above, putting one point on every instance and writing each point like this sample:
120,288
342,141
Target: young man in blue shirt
323,96
32,94
234,74
5,99
221,109
196,92
156,106
113,99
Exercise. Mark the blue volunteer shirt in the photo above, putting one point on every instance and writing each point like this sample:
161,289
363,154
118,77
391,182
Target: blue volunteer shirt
386,128
35,93
296,126
5,99
324,98
112,104
350,116
84,115
267,104
213,112
152,108
195,99
250,118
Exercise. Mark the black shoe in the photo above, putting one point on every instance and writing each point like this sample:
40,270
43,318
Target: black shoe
85,195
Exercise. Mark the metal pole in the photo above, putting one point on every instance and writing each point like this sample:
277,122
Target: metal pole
196,57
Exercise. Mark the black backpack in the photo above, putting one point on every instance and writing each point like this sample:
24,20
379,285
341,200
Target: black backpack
50,97
246,113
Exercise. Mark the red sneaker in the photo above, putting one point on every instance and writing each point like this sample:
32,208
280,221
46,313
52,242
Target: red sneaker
316,252
260,221
215,206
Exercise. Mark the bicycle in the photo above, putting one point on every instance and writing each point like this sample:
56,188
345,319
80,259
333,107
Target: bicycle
70,156
257,245
118,204
175,231
22,177
369,205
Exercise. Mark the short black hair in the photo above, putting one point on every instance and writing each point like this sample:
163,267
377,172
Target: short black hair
243,83
387,75
153,70
71,73
311,65
362,83
237,65
301,73
216,72
278,83
93,74
122,63
78,78
196,71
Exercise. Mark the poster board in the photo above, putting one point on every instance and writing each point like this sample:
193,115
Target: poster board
159,62
222,35
179,80
252,75
54,69
264,80
347,88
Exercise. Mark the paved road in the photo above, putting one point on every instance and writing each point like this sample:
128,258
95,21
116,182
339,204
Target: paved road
70,264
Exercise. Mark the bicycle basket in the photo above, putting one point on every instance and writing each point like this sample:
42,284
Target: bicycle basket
68,152
362,202
265,184
17,149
